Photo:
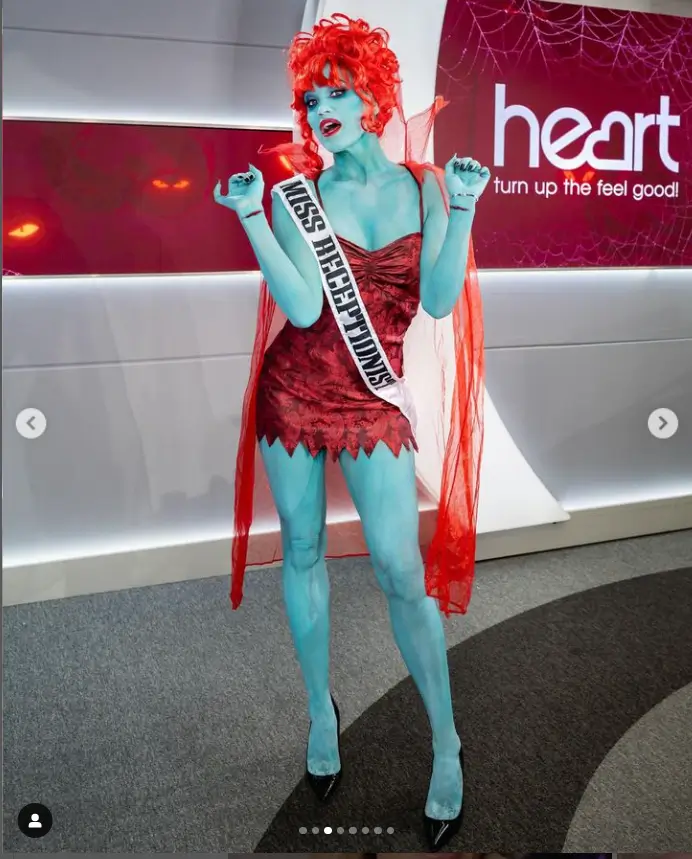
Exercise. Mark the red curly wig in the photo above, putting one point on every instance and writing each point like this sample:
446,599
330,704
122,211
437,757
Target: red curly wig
354,52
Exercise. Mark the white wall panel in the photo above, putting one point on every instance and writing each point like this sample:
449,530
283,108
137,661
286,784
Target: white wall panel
204,62
241,22
71,321
67,76
142,384
131,452
580,415
546,307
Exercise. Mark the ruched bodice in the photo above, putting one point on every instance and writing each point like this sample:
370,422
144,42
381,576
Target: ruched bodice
310,391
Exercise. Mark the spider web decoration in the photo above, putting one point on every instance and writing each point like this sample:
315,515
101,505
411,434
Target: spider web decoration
550,56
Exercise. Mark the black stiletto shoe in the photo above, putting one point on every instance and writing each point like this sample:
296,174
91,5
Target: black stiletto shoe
324,786
438,833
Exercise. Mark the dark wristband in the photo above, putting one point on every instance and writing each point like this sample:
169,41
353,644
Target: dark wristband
252,214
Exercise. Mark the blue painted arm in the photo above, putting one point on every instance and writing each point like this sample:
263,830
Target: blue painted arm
287,264
445,251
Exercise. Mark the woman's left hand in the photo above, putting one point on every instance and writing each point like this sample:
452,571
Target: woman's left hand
465,176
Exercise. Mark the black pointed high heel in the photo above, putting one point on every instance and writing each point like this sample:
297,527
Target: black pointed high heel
324,786
438,833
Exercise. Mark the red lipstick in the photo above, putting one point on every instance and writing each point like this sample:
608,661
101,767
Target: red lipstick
329,127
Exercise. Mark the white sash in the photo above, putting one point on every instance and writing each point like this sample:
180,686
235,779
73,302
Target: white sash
344,297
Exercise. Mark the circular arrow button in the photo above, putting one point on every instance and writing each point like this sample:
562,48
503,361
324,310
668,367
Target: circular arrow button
663,423
31,423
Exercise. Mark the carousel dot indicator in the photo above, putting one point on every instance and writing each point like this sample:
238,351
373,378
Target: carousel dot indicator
327,830
365,830
315,830
353,830
303,830
390,830
377,830
340,830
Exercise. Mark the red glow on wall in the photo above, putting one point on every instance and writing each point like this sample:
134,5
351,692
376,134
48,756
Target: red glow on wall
126,199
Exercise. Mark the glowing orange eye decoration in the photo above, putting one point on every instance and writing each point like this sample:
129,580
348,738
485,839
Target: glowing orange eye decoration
25,231
162,185
587,177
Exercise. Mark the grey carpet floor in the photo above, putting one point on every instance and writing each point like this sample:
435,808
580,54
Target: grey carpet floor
157,720
541,699
615,808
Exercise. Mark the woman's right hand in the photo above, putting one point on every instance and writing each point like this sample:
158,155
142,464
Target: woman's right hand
245,192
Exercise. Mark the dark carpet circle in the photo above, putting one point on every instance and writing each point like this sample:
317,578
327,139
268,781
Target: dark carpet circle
540,699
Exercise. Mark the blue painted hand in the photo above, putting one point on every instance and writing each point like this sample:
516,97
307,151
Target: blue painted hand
465,176
245,191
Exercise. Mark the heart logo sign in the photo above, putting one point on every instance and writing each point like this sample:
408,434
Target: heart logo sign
542,139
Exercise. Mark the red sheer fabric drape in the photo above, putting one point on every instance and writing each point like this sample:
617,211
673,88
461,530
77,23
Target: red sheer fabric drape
450,559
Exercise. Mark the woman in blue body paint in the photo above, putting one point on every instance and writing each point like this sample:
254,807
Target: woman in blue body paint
405,230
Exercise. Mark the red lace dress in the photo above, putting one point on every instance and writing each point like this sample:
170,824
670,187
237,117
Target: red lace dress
310,391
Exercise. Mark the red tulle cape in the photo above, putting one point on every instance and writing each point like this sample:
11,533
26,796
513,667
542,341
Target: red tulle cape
450,557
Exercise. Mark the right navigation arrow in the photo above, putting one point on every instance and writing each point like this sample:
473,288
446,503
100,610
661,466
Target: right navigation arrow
663,423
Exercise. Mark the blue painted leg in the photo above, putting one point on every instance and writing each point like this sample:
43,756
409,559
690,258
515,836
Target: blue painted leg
298,489
383,488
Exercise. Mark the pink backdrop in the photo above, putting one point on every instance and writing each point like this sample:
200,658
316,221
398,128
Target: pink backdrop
571,208
125,199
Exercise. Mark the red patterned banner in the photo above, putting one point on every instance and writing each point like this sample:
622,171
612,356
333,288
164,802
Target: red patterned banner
585,117
125,199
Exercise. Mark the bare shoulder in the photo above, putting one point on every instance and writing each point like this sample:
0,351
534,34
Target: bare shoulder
433,199
431,185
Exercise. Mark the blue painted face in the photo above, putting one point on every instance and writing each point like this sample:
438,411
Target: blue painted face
335,115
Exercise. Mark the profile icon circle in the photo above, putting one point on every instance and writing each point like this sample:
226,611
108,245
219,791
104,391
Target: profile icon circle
35,820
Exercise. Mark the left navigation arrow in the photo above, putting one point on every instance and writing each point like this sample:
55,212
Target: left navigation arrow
31,423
